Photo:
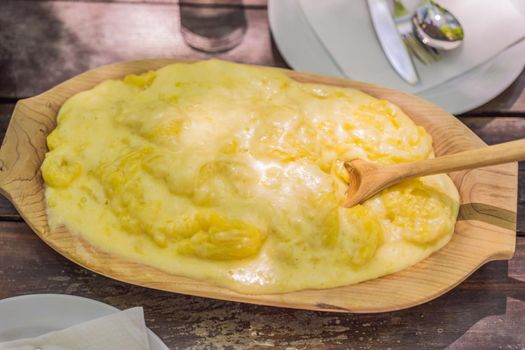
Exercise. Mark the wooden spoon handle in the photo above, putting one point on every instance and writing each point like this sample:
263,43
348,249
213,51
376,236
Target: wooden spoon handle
497,154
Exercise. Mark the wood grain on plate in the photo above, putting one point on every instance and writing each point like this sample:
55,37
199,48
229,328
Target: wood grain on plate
485,231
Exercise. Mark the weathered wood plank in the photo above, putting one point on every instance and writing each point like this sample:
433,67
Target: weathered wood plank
49,41
243,3
496,129
7,211
489,304
45,43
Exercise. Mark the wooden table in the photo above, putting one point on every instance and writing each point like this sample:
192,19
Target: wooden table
44,42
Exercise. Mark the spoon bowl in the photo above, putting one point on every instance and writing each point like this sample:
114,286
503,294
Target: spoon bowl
437,27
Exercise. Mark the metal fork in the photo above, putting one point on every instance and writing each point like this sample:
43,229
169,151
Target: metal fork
423,53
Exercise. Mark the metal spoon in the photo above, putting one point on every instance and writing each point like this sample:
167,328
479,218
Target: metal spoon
436,27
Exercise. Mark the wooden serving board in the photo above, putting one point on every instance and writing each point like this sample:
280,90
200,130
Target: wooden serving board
485,229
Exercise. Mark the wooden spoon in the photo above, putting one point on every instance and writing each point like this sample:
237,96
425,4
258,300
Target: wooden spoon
367,179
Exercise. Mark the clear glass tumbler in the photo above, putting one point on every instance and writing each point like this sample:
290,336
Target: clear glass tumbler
212,26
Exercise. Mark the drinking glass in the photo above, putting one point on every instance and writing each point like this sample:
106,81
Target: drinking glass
212,26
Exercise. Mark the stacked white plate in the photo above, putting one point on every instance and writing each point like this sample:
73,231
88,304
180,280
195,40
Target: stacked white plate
303,50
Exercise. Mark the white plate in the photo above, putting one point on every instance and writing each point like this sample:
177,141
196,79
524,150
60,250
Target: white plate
303,51
29,316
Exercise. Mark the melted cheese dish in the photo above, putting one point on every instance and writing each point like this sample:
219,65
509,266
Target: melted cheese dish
234,174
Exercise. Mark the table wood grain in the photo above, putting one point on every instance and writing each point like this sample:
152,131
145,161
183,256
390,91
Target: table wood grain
45,42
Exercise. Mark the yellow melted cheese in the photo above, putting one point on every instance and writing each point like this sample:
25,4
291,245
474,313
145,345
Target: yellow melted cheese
234,174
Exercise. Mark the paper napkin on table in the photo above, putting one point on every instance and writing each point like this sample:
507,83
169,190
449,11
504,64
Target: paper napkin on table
490,26
121,330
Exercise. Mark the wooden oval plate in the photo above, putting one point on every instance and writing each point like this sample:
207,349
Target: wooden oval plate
485,229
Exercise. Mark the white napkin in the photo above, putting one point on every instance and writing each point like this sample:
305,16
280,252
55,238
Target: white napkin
345,29
121,330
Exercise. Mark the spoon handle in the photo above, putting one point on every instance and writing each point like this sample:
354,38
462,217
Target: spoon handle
497,154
